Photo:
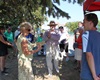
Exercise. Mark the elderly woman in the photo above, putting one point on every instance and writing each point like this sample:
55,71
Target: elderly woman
25,53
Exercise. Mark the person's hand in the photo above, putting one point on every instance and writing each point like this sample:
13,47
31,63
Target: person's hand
39,47
97,78
49,35
9,44
12,45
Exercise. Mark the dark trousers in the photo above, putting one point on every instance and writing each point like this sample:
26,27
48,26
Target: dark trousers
64,47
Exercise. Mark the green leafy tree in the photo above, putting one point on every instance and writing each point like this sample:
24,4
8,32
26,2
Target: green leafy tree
71,26
17,11
98,26
34,11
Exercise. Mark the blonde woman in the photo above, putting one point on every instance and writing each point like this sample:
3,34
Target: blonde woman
25,53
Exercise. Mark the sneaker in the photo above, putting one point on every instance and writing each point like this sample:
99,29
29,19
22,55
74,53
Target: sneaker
4,72
57,70
49,75
67,59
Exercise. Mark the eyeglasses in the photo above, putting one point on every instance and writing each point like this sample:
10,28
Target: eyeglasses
52,25
28,29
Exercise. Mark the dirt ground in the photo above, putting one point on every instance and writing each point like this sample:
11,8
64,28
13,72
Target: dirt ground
12,65
67,71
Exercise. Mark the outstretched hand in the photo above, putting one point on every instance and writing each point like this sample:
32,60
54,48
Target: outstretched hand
49,35
39,47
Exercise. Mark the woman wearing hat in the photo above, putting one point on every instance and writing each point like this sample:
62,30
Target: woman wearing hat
51,38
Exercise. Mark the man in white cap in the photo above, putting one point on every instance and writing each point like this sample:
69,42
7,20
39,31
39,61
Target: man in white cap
51,38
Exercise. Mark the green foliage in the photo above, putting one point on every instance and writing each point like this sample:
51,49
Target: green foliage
99,26
71,26
17,11
99,23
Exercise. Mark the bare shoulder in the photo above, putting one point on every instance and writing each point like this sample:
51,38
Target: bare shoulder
24,41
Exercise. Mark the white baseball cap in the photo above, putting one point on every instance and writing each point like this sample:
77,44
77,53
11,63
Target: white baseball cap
18,26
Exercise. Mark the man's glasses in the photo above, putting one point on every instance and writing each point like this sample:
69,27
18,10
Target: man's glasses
52,26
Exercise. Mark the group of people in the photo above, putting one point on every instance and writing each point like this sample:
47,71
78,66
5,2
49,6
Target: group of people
25,49
87,52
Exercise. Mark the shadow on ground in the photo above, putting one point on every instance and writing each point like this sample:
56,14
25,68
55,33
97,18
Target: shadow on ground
67,71
12,65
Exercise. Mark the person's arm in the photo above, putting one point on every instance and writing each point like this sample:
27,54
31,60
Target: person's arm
90,61
67,36
45,36
24,45
3,41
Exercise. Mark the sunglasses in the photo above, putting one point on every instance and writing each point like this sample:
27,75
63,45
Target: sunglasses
28,29
52,26
61,28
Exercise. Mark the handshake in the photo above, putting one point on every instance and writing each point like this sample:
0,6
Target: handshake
40,43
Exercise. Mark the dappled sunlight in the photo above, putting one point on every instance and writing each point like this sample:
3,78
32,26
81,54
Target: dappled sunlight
40,71
66,70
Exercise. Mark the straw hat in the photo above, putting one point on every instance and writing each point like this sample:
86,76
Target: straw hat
52,23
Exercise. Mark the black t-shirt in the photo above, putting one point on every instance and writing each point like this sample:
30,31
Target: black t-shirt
3,47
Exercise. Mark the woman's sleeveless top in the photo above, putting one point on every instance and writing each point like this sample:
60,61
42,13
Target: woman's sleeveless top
2,45
21,55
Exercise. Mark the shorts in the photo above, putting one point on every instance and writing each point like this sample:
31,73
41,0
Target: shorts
3,52
78,54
